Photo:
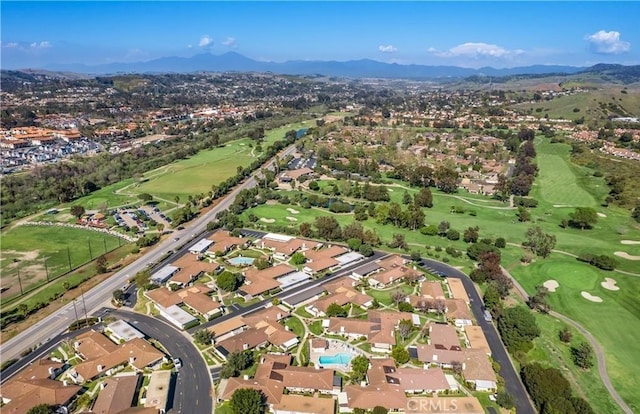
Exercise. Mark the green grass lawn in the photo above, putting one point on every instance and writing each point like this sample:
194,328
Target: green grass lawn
198,173
549,350
295,325
557,181
106,196
25,249
615,322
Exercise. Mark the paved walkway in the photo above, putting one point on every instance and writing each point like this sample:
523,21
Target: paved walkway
602,365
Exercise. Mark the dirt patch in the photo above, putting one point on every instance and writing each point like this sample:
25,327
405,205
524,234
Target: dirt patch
590,297
626,255
629,241
609,284
292,210
551,285
292,218
601,215
271,202
23,256
266,220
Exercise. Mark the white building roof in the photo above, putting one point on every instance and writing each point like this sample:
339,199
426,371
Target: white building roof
125,331
164,274
278,237
347,258
292,279
178,316
201,246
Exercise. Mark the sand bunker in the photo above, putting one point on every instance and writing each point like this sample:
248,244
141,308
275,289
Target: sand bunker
601,215
562,206
266,220
292,218
589,296
626,255
292,210
609,284
629,241
551,285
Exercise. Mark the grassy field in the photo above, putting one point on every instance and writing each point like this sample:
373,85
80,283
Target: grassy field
549,350
558,183
26,249
598,104
615,322
198,173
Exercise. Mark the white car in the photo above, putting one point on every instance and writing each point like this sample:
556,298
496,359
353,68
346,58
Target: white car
177,363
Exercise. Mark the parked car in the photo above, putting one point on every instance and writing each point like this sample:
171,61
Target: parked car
177,363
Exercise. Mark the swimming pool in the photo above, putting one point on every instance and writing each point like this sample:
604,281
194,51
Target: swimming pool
241,261
342,359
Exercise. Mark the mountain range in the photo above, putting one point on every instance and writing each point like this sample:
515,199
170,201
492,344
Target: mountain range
363,68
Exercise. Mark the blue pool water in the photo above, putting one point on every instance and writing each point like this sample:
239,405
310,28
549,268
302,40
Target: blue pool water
241,261
343,359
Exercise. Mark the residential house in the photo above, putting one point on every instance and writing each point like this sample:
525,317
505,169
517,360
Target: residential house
476,338
444,336
190,268
379,328
116,394
475,365
457,289
458,311
224,242
258,282
323,260
341,292
283,247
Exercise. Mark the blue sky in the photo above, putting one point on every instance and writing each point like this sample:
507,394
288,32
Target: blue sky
470,34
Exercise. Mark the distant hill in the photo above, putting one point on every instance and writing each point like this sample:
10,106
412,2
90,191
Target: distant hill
363,68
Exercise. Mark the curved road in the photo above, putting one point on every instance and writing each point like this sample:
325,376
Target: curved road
498,352
602,364
192,392
52,325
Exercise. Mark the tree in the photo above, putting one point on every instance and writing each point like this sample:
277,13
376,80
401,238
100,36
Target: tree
261,264
405,327
539,300
582,355
416,256
443,228
517,327
565,335
500,243
248,401
336,310
491,297
523,214
142,279
203,336
405,307
453,234
298,258
398,242
424,198
400,355
305,230
118,295
359,367
313,185
228,281
398,296
379,409
583,217
101,264
471,234
328,228
236,362
406,198
77,211
41,409
505,400
539,242
146,197
447,179
365,250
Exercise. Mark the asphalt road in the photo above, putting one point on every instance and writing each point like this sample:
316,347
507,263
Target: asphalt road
511,378
192,391
46,329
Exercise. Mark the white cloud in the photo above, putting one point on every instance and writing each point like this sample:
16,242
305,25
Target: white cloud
11,45
432,50
387,48
189,46
229,42
205,41
607,43
476,50
42,45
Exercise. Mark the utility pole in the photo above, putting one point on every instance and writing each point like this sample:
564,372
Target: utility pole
69,257
84,305
90,253
104,241
46,269
75,310
20,282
